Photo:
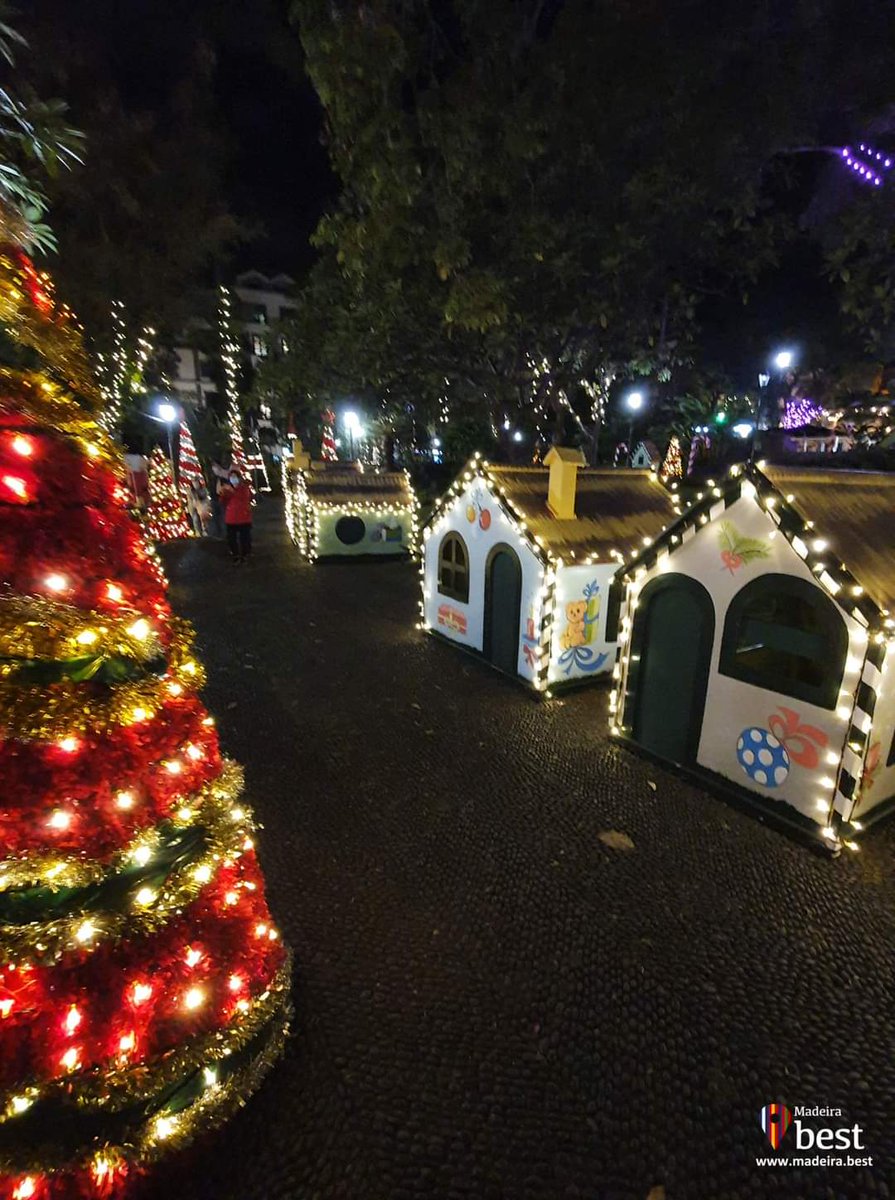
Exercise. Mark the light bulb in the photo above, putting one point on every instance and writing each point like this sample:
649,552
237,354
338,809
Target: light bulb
144,896
140,629
125,800
193,956
141,993
59,819
56,583
68,744
194,998
114,592
72,1020
86,637
22,446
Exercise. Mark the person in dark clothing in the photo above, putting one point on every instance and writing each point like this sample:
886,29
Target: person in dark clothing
236,499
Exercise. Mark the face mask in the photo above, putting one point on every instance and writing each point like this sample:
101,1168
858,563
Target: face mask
234,479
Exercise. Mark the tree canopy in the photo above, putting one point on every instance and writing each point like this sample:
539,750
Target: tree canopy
538,194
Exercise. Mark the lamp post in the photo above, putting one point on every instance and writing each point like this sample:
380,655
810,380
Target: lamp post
352,424
634,403
168,413
781,362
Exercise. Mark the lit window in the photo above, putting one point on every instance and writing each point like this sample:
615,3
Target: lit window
259,346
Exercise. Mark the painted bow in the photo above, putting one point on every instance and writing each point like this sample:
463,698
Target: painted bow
802,742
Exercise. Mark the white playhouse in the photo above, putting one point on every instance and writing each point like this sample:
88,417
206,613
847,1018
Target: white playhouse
755,637
518,561
340,510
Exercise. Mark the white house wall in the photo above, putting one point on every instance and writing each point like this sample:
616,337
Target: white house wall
578,646
733,708
464,623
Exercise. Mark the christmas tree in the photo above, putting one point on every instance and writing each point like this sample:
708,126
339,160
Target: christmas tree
188,466
673,465
166,517
143,987
328,444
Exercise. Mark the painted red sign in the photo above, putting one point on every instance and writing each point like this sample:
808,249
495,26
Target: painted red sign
451,618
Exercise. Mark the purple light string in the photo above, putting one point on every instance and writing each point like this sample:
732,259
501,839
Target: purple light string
867,163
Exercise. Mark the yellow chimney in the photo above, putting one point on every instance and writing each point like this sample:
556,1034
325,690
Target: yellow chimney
563,463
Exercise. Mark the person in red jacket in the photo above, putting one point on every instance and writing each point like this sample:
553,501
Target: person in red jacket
236,500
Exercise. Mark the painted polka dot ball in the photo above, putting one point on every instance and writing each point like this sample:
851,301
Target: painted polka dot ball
762,757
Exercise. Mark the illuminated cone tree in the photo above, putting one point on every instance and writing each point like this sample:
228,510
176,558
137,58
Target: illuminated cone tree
143,986
165,517
328,452
188,467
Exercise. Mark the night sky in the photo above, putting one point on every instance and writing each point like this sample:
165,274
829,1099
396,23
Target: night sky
277,176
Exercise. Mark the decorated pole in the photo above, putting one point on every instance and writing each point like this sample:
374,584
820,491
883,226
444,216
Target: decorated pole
230,358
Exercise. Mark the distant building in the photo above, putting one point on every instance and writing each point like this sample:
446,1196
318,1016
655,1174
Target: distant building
259,303
262,302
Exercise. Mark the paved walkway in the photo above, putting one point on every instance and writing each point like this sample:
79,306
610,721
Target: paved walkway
490,1001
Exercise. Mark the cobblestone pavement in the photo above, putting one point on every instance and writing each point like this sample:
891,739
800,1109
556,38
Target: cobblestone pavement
490,1002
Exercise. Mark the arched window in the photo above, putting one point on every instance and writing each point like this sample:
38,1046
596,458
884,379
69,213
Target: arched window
785,635
453,568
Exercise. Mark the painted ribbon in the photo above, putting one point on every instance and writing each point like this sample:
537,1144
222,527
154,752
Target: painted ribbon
802,742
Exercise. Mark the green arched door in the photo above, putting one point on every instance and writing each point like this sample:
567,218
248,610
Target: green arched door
671,650
503,598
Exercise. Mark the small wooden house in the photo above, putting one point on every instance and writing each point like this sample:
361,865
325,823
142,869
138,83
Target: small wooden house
646,455
340,510
518,561
755,635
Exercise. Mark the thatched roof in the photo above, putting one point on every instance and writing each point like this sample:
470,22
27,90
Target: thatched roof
854,512
615,510
340,484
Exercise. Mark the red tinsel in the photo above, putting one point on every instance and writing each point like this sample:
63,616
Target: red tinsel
96,1003
40,778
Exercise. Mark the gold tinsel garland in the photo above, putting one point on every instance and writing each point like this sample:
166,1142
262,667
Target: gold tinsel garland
50,331
36,628
228,830
48,713
160,1133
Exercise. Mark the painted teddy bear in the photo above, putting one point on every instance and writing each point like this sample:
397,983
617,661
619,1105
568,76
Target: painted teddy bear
574,633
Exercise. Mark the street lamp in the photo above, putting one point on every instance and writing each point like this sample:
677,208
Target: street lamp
783,360
351,421
168,413
634,403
